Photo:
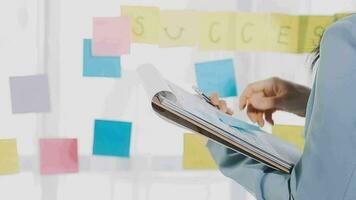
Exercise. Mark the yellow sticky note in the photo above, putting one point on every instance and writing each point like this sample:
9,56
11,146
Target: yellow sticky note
283,33
145,23
311,30
196,154
178,28
9,161
250,31
291,134
339,16
216,30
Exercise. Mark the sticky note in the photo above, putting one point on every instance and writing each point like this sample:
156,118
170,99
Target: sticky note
103,66
58,156
178,28
30,94
145,23
111,36
283,33
9,160
216,31
112,138
312,29
248,31
217,76
339,16
196,155
291,134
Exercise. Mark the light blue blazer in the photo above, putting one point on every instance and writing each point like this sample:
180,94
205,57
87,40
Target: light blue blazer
327,169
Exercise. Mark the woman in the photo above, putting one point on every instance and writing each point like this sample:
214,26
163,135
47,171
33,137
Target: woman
327,168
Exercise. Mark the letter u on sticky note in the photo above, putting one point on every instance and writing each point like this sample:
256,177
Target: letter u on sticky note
145,23
196,154
291,134
177,28
216,31
9,161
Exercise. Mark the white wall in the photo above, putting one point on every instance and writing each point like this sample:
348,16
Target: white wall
38,36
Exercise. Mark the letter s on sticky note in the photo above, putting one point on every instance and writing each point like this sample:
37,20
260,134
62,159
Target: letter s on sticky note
196,154
314,27
145,23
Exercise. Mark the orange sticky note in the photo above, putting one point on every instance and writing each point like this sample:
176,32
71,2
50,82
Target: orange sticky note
291,134
196,154
9,160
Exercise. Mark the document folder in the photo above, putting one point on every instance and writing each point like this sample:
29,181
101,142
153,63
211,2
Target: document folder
182,108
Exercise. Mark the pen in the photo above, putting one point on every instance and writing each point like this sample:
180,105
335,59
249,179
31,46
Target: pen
203,96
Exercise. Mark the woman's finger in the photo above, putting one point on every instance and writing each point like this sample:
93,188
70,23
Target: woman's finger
214,98
222,106
252,113
260,120
249,91
229,111
260,102
268,116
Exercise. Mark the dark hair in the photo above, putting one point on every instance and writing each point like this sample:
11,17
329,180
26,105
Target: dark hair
316,54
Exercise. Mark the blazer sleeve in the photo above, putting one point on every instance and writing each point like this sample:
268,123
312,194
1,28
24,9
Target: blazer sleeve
328,161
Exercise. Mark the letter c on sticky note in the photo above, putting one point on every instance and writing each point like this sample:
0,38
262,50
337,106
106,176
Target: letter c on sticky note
139,21
243,33
211,34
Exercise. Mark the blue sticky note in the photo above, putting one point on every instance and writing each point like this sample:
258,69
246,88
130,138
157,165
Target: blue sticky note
112,138
99,66
217,76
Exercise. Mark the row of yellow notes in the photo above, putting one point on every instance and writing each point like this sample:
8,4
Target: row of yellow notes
291,134
9,160
227,30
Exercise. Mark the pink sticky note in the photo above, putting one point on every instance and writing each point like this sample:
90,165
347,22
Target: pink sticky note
111,36
58,156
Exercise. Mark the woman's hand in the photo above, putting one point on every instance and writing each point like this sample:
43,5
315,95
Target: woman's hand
263,98
221,104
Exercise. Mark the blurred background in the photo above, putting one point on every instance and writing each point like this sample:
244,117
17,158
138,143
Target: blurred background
46,36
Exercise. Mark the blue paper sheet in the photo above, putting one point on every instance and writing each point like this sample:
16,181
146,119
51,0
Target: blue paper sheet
217,76
99,66
238,124
112,138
